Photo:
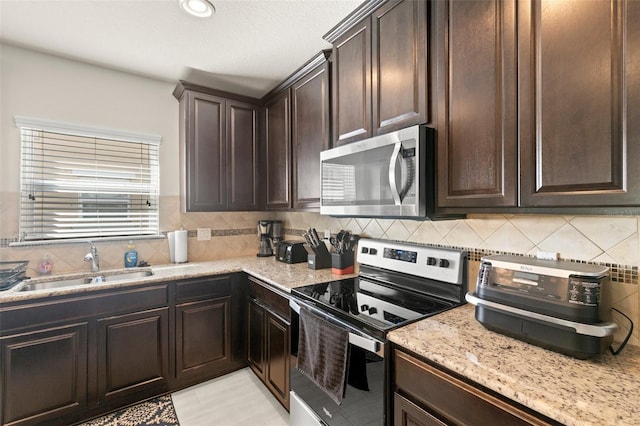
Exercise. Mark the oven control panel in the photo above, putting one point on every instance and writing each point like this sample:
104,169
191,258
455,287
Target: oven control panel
403,255
416,259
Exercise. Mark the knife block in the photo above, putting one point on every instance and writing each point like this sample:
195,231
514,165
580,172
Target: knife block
321,259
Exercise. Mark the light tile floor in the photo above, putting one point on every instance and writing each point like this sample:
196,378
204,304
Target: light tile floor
236,399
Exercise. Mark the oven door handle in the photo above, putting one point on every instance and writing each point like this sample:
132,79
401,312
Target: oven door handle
357,339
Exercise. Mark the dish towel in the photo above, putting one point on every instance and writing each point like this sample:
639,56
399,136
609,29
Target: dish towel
322,353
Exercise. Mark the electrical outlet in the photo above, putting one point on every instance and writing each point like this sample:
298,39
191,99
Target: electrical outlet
547,255
204,234
327,234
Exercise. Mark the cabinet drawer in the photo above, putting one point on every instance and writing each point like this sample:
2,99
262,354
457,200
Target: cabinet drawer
203,288
444,395
276,301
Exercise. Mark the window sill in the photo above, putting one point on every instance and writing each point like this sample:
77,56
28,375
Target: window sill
84,240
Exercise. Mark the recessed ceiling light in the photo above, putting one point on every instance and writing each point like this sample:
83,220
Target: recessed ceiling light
199,8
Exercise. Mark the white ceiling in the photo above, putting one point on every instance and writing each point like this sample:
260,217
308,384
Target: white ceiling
247,46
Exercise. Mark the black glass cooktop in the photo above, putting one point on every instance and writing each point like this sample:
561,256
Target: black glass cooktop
372,304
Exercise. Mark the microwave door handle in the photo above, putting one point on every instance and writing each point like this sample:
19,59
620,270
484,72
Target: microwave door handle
393,164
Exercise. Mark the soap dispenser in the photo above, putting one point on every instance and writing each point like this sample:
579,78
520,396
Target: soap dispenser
131,256
45,266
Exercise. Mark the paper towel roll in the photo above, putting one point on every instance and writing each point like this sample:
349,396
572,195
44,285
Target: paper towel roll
180,251
171,236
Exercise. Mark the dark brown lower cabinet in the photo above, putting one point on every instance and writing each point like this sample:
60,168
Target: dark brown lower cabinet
277,362
67,358
406,413
210,315
268,335
203,330
133,354
256,338
425,394
44,375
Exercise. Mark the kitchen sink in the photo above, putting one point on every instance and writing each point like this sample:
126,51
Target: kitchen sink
126,276
96,279
50,285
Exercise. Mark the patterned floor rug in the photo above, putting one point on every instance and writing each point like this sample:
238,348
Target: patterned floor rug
158,411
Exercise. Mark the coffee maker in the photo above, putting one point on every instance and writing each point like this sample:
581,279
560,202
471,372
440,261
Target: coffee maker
276,233
270,233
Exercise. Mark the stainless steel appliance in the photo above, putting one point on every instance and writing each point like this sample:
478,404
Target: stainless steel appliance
268,231
558,305
276,232
390,175
398,283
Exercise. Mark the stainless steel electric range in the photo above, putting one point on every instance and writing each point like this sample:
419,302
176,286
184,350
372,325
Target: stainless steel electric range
398,283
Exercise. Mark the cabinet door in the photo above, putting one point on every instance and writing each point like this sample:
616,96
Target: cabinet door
579,102
205,156
242,150
399,78
440,394
406,413
44,375
278,152
203,338
476,118
310,115
352,85
256,338
277,371
133,353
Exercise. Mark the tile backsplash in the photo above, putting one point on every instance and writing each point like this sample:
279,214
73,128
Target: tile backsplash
609,240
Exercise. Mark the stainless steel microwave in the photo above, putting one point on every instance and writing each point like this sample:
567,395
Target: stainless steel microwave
390,175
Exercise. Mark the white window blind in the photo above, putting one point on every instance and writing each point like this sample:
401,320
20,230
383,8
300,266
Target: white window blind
80,182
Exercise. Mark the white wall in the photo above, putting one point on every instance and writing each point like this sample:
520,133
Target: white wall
45,86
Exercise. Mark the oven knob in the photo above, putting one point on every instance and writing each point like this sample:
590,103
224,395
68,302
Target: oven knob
365,250
364,308
431,261
373,251
372,311
444,263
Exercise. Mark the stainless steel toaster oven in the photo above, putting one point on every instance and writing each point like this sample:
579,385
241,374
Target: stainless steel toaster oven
559,305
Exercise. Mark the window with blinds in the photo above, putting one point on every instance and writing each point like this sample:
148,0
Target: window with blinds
86,183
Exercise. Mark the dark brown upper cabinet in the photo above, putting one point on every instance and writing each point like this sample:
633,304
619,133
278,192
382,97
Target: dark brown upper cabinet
579,95
538,106
297,129
380,69
476,103
311,134
277,148
218,149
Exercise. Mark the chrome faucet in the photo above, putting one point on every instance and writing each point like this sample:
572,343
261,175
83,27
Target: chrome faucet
93,258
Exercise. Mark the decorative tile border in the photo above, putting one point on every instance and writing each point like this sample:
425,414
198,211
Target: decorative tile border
619,273
193,233
4,242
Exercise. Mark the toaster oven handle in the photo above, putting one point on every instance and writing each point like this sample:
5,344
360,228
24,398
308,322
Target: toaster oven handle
393,164
599,330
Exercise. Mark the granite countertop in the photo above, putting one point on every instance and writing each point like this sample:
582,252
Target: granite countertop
602,391
281,275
